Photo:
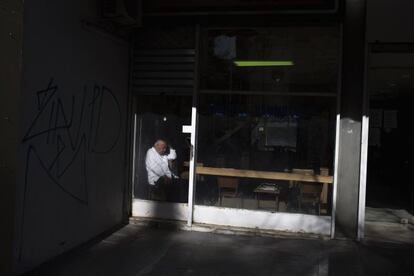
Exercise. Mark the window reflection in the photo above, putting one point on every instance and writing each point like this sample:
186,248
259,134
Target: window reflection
266,131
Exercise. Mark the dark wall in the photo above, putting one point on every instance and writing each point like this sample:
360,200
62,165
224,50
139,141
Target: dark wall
10,75
71,173
396,27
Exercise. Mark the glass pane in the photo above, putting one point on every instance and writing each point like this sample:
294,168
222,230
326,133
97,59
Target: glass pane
162,82
390,95
267,119
161,172
273,60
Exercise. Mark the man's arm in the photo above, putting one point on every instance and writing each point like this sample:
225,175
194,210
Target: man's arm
172,155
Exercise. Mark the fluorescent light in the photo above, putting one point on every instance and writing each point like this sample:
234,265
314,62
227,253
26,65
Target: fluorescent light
259,63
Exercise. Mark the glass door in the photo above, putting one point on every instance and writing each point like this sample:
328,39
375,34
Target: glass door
163,83
389,205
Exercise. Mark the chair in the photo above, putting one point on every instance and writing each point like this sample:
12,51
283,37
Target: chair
185,174
325,191
228,187
309,193
268,189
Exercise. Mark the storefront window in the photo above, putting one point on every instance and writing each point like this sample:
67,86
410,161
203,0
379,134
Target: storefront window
162,149
162,82
267,108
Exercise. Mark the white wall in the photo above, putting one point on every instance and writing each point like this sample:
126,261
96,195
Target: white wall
72,139
390,20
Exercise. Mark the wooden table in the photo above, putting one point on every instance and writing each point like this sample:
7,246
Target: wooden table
325,180
264,175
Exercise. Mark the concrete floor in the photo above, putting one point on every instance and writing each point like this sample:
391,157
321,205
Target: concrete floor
138,250
389,225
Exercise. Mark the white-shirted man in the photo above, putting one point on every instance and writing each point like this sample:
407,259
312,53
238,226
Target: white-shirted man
158,165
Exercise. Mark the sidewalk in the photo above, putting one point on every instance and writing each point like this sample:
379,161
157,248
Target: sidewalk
137,250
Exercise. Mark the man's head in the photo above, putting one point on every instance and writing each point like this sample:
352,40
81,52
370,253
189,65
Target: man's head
160,146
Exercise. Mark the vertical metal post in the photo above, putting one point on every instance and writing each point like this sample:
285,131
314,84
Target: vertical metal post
193,130
337,135
193,162
363,177
134,144
335,187
129,145
364,153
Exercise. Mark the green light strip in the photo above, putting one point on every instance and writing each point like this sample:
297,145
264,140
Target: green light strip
257,63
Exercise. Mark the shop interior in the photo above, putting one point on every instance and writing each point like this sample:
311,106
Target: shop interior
266,99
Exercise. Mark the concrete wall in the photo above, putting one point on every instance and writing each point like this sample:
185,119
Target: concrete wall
10,74
349,147
390,21
71,174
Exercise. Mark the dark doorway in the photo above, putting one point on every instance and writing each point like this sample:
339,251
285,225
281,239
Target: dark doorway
389,161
